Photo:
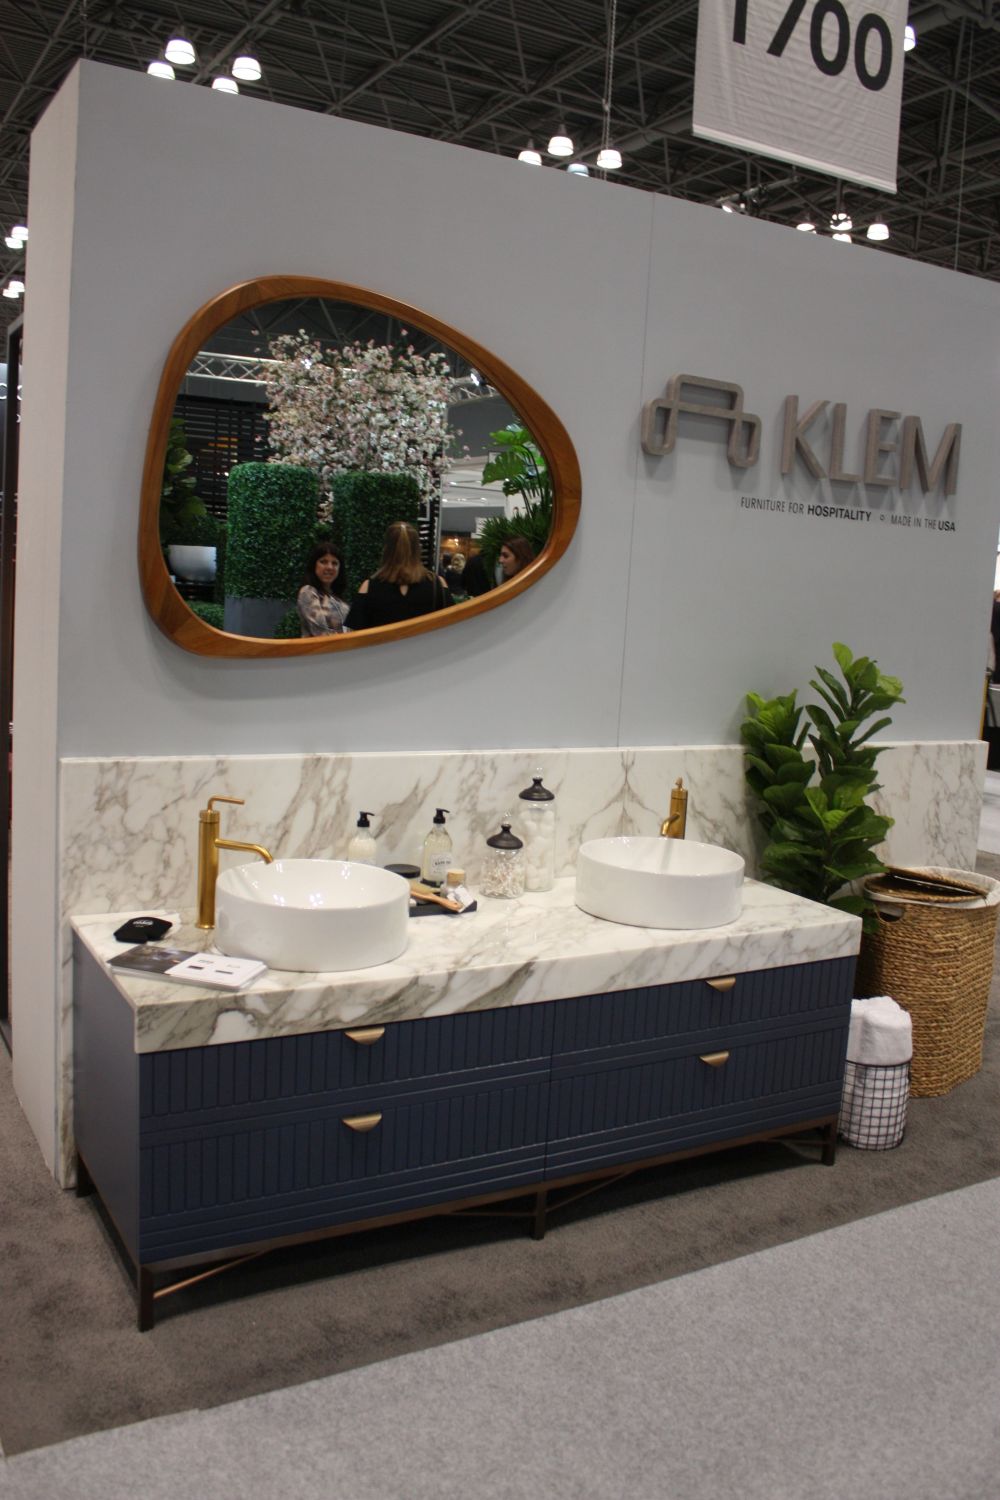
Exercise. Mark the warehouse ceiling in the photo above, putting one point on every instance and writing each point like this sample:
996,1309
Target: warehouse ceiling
494,74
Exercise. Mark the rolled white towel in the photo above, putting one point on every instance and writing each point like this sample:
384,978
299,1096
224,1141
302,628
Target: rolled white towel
881,1032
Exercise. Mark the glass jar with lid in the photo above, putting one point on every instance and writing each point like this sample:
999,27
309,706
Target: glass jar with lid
503,867
537,821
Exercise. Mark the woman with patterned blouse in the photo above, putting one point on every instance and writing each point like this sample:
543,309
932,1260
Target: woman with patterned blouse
321,603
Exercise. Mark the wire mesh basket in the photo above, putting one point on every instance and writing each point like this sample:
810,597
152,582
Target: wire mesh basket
873,1105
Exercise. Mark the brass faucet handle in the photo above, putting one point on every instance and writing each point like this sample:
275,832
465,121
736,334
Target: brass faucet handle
212,800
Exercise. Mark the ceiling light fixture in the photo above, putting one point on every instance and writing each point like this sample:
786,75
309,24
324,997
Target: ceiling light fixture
246,69
578,169
16,285
8,293
608,158
20,232
842,235
806,227
161,69
530,155
180,52
909,39
12,243
877,230
841,222
560,144
226,85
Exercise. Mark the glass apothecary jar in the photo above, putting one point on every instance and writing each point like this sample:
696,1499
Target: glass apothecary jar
537,821
503,867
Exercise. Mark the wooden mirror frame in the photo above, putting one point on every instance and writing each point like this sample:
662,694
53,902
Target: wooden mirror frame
164,602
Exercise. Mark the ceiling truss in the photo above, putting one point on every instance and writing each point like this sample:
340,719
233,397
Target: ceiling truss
494,74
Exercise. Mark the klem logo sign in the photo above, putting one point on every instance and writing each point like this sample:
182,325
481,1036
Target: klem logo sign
890,458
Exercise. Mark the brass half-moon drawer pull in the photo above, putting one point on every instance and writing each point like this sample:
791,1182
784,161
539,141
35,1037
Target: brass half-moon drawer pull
361,1123
715,1059
367,1035
722,984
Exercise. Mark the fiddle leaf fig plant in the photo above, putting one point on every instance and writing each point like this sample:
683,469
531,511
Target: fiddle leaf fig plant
519,464
181,509
811,783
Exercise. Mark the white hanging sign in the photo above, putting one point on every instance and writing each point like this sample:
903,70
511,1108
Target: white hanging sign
815,82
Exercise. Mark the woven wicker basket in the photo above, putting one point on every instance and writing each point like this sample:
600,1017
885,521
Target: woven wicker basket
937,961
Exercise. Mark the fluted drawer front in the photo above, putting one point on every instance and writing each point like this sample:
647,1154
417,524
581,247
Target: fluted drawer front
598,1117
220,1080
242,1182
694,1008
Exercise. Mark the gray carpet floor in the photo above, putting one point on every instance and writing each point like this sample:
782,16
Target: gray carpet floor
72,1363
861,1362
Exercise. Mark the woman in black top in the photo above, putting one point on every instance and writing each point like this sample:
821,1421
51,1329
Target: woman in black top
402,588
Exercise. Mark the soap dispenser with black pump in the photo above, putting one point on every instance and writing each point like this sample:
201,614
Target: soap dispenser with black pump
361,849
437,856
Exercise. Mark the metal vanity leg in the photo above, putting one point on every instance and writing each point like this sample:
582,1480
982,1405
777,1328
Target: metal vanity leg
144,1289
829,1144
538,1222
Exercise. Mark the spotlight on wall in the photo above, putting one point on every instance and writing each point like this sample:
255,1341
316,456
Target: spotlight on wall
246,69
180,52
560,144
161,69
226,85
878,230
530,155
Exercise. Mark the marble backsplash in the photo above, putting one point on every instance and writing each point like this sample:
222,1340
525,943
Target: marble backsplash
129,827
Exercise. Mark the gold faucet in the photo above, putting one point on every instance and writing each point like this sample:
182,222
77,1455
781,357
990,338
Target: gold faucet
675,823
209,845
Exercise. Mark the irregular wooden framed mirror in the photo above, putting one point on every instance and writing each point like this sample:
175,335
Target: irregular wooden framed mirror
296,415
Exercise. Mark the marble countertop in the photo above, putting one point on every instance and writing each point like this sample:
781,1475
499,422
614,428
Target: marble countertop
539,947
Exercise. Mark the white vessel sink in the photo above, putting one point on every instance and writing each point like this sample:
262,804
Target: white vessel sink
312,915
658,882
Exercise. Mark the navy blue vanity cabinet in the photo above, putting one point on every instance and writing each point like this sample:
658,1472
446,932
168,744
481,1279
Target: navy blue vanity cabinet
671,1069
201,1153
247,1141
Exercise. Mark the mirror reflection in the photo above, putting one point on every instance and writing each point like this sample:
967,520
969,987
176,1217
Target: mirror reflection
330,469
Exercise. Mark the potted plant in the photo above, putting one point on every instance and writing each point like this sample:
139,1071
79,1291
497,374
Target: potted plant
519,464
819,832
188,533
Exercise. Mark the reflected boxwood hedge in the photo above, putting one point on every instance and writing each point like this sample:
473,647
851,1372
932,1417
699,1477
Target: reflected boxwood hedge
271,524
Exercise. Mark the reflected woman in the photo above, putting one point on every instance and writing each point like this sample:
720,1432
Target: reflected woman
321,603
402,587
515,554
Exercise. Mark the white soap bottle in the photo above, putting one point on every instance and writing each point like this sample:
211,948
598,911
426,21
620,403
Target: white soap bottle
436,860
361,849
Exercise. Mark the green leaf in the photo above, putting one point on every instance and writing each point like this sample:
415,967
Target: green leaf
835,688
783,755
843,655
784,799
799,770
